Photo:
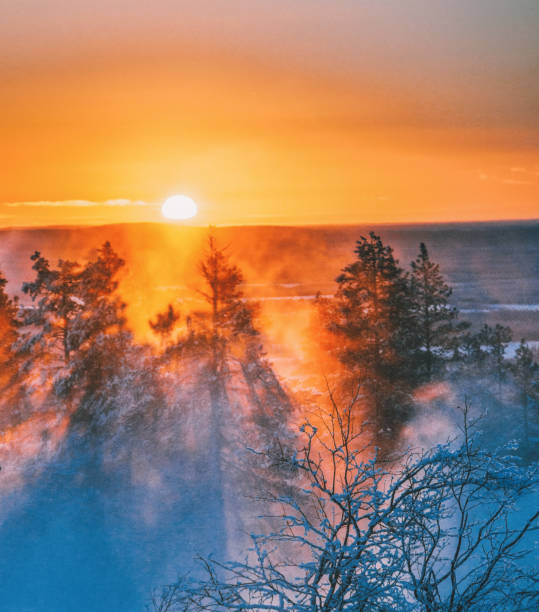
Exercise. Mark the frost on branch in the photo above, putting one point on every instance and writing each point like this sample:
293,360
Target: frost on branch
431,531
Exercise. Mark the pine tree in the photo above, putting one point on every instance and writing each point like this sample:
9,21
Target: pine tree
8,334
470,350
495,340
526,373
74,326
435,320
371,315
164,323
221,338
230,319
258,416
219,352
56,302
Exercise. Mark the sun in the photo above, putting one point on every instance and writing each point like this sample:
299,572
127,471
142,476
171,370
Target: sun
179,207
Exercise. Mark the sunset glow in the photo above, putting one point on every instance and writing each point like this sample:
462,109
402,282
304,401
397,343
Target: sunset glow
275,114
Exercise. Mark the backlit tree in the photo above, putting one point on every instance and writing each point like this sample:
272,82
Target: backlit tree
435,320
370,318
74,326
8,336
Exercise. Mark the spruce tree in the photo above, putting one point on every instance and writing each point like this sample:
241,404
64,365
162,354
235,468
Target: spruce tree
435,320
495,340
371,316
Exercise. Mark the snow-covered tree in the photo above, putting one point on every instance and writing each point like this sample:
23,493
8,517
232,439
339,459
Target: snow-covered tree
433,531
74,331
54,293
71,304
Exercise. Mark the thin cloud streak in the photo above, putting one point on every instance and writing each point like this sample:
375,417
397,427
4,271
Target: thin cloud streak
77,203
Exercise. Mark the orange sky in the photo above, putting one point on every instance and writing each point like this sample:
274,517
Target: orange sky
269,112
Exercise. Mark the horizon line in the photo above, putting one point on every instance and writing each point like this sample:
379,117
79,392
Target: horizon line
510,220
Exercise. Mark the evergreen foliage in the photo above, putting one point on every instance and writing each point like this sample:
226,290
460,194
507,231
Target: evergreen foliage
494,341
233,385
164,322
526,373
74,332
435,320
371,319
8,337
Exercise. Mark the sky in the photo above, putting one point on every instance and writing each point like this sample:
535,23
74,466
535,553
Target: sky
269,111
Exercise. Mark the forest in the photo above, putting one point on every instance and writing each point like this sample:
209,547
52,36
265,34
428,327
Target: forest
180,470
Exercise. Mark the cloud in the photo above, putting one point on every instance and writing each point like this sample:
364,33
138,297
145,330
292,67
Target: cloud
77,203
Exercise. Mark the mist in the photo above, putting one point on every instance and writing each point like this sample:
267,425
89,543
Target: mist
113,485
